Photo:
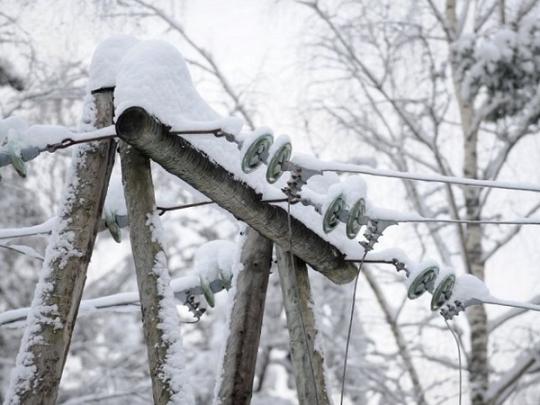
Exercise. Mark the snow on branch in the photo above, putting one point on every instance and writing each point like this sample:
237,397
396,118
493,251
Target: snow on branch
504,384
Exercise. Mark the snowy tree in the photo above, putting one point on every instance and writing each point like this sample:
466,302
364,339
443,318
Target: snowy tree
415,81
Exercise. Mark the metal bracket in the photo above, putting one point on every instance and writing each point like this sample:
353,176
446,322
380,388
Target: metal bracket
449,310
374,231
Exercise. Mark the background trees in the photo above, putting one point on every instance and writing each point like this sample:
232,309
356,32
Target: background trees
438,87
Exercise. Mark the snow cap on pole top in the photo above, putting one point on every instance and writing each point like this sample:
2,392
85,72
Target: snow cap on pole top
154,76
106,60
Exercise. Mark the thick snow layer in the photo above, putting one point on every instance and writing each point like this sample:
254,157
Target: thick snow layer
106,60
213,258
469,290
115,203
11,126
154,75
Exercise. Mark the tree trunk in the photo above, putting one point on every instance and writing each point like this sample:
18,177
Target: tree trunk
308,369
246,316
180,158
476,314
160,318
46,340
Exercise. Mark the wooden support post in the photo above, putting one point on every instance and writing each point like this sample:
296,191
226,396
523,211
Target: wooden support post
308,370
179,157
160,319
238,369
51,320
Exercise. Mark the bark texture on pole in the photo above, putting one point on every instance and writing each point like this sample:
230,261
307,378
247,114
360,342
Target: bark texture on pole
46,340
298,303
179,157
236,384
160,319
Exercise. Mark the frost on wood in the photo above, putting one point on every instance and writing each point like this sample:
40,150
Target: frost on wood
107,57
307,360
173,371
161,323
51,319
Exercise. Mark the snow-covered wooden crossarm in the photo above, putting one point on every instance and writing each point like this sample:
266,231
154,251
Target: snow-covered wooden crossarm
178,156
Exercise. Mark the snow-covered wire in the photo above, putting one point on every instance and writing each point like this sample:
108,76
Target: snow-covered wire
39,229
519,221
24,250
518,186
52,138
183,287
311,164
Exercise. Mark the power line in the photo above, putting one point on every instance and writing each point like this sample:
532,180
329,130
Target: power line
163,210
346,168
469,221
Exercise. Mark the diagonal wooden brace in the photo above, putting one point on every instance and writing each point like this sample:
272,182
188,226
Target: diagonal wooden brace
176,155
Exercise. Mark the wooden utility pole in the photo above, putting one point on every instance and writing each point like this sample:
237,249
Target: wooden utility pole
46,340
136,127
160,319
308,360
246,316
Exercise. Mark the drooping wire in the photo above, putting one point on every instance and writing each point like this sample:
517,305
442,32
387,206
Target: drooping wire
67,142
163,210
459,359
14,249
349,331
297,292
